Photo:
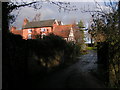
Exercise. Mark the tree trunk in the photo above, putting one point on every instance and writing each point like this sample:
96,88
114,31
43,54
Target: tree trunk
91,42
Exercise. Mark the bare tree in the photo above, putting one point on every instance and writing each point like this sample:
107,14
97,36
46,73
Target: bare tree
16,62
105,30
37,17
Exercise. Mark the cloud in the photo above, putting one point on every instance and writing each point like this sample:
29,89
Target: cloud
83,0
65,0
45,12
50,11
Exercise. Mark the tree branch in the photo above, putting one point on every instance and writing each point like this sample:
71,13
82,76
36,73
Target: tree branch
22,5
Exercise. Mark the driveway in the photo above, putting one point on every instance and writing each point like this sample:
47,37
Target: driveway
77,75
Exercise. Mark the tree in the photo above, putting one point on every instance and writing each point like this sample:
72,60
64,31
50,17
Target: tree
81,36
80,24
105,24
16,50
37,17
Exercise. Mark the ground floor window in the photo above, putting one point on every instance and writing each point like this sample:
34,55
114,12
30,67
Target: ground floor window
42,35
66,39
29,36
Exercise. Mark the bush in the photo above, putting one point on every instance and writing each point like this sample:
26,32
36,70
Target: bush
49,50
71,51
53,50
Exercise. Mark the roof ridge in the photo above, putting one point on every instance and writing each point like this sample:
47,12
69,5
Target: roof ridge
64,25
42,20
35,24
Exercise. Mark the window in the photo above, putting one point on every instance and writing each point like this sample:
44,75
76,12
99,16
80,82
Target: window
42,35
43,29
29,36
29,31
65,39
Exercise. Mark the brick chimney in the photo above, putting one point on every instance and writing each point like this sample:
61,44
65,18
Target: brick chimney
25,22
13,29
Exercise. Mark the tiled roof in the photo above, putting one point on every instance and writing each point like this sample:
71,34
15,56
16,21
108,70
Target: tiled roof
62,30
36,24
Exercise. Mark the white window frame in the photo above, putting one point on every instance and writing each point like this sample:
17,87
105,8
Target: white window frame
29,30
29,36
42,35
43,29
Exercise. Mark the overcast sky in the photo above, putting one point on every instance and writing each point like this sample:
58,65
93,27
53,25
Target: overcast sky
69,0
84,0
50,11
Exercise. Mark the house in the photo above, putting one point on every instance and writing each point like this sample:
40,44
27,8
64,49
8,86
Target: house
30,29
45,27
65,31
17,32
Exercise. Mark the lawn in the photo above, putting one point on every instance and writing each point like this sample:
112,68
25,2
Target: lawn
91,48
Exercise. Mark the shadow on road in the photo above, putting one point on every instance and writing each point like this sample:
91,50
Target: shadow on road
82,74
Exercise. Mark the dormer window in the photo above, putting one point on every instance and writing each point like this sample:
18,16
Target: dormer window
29,31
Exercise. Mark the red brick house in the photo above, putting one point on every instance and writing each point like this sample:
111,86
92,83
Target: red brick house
30,29
38,27
45,27
18,32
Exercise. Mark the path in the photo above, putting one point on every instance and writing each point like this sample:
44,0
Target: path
77,75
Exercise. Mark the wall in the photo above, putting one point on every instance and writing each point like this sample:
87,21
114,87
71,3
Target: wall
36,31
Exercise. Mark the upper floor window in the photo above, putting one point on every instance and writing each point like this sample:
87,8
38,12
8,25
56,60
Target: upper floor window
29,31
43,29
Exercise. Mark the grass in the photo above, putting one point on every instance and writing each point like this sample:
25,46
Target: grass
91,48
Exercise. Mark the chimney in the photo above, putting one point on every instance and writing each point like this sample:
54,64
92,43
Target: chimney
13,29
25,22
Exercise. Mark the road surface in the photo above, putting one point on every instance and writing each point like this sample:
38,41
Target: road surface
77,75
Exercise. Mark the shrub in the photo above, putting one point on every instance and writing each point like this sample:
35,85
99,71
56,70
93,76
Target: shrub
53,50
71,51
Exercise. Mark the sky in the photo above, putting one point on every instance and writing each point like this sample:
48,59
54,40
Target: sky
84,0
50,11
68,0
